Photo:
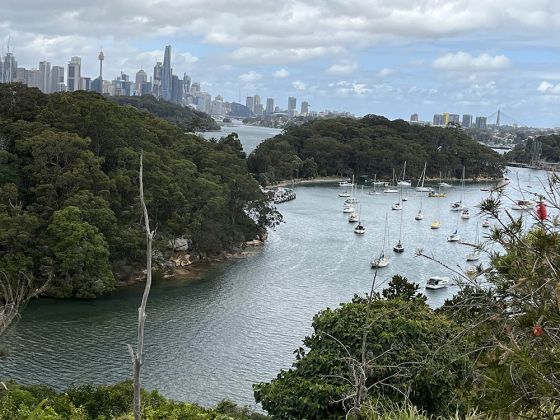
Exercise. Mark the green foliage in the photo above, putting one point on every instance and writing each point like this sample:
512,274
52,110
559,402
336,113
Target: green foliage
550,149
409,351
69,189
368,146
185,117
400,288
87,402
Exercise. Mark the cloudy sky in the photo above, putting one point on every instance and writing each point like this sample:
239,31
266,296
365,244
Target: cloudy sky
388,57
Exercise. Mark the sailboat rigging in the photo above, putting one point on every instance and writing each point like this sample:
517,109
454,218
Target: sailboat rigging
399,247
382,260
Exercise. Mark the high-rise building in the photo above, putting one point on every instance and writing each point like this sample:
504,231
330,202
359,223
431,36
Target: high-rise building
250,103
480,122
438,120
158,72
45,82
292,106
141,78
195,88
85,83
57,79
186,84
166,73
176,89
74,74
218,106
445,118
257,105
467,120
454,118
269,106
8,69
34,78
304,108
21,75
204,102
414,118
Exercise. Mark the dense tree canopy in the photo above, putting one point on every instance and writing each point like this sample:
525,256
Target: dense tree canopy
368,146
69,189
187,118
550,149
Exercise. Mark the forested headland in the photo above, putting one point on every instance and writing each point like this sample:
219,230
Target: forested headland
549,149
368,146
69,205
187,118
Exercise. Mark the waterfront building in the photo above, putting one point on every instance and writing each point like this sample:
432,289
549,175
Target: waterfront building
166,75
74,74
204,102
467,120
218,106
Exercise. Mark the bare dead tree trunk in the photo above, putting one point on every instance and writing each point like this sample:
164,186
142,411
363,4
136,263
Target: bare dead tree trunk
137,356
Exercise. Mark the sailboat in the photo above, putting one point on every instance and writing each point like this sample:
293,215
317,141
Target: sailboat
435,224
398,248
420,186
403,182
382,261
419,216
398,205
465,214
475,254
354,217
348,208
486,223
391,189
360,229
438,193
458,205
353,198
374,184
455,237
345,193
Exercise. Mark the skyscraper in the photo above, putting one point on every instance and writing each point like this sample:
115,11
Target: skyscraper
158,71
9,68
166,75
74,74
454,118
250,103
414,117
45,76
304,108
480,122
467,120
57,79
438,120
187,84
292,106
141,78
445,118
269,106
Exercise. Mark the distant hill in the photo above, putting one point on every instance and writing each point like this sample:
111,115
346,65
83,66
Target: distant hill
550,150
368,146
189,119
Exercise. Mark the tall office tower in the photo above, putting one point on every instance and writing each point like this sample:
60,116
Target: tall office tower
204,102
195,88
445,118
45,82
480,122
141,78
21,75
218,106
438,120
85,83
454,118
57,79
250,103
269,106
291,106
166,75
257,101
304,108
467,120
186,84
74,74
158,71
9,68
176,83
34,78
414,118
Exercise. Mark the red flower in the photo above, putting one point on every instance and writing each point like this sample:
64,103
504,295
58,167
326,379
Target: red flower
538,331
541,210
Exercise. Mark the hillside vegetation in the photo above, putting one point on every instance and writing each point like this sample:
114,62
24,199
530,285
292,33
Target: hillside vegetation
188,119
550,150
368,146
69,206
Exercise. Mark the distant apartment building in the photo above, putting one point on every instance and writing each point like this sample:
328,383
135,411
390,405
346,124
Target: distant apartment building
467,120
292,103
140,79
304,108
45,76
480,122
269,106
438,120
454,119
414,118
445,118
218,106
156,81
74,74
250,103
204,102
57,79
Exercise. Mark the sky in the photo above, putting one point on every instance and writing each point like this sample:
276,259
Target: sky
385,57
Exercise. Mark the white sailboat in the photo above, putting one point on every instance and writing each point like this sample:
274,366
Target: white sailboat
419,216
420,186
348,208
382,260
399,247
374,184
475,254
353,198
523,205
403,182
458,205
345,193
398,205
455,237
360,229
391,189
354,217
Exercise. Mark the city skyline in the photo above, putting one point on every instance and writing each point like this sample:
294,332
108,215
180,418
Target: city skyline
390,59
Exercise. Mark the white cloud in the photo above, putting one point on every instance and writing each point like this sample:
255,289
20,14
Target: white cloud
281,73
351,88
343,68
462,61
385,72
250,76
298,85
549,88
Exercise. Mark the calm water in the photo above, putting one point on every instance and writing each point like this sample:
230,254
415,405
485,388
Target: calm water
211,338
250,136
